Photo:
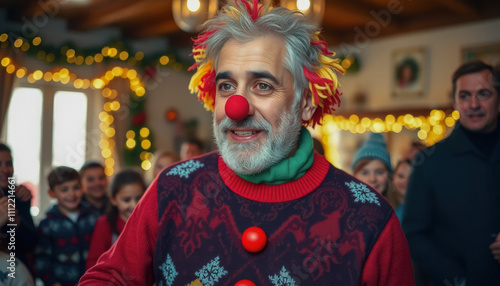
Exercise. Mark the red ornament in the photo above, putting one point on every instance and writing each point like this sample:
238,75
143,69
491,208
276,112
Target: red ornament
254,239
245,282
237,107
149,72
139,119
171,114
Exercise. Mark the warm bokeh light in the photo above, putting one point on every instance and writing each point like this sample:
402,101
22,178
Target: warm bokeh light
139,56
98,58
18,43
10,68
37,75
20,73
144,132
303,5
145,144
130,143
146,165
130,134
5,61
25,47
98,83
164,60
37,41
123,56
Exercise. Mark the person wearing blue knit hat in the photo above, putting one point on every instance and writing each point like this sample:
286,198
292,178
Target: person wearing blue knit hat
372,165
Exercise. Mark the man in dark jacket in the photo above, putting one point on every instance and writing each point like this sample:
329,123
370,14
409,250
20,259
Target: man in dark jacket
452,215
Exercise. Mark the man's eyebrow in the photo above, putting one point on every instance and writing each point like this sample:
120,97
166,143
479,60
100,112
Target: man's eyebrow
223,75
263,74
486,89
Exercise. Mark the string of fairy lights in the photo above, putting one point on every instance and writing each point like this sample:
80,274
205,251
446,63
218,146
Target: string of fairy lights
431,128
64,76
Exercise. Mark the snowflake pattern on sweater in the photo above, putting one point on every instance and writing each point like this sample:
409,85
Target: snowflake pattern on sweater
362,193
168,270
183,170
211,273
283,279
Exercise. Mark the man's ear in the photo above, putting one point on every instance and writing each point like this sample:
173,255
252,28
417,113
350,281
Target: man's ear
306,106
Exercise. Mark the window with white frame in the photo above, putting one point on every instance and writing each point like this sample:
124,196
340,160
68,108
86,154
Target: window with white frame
26,130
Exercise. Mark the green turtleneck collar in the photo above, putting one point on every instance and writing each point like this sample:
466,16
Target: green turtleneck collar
290,168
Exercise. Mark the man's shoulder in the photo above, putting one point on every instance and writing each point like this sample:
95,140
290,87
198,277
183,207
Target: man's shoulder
357,194
439,151
185,169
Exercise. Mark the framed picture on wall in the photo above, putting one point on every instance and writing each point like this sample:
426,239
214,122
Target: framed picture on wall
408,73
489,54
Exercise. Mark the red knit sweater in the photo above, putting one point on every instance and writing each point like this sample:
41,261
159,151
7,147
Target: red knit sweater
325,228
102,239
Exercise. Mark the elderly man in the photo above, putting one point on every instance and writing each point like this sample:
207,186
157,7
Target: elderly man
452,209
266,210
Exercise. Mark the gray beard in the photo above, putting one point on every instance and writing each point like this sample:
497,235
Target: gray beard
254,157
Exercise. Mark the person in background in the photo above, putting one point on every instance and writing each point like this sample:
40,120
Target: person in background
127,189
265,73
25,228
452,207
371,164
65,232
190,148
415,147
162,159
94,186
400,182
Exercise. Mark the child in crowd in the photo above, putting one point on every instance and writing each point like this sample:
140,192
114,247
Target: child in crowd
94,185
162,159
65,233
127,189
372,165
400,180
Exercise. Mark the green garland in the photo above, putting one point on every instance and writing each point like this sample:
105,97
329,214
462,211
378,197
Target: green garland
132,157
58,54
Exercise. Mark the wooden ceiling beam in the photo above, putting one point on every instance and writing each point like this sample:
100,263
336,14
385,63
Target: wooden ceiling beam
459,6
61,8
363,17
118,14
163,26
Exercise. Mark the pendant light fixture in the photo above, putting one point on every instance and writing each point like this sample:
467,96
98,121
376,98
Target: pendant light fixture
189,15
313,9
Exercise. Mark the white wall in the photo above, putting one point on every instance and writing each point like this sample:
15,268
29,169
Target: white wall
444,49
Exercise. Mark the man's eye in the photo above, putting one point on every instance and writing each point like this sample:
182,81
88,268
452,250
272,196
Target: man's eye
225,87
484,94
263,86
464,96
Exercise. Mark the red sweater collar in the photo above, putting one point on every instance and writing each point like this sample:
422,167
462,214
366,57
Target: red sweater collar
276,193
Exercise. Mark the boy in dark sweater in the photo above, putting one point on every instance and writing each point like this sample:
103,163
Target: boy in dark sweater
64,235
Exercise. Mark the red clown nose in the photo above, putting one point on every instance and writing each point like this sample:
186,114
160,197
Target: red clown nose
237,107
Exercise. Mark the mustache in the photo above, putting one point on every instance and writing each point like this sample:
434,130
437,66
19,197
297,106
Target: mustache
475,113
249,122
